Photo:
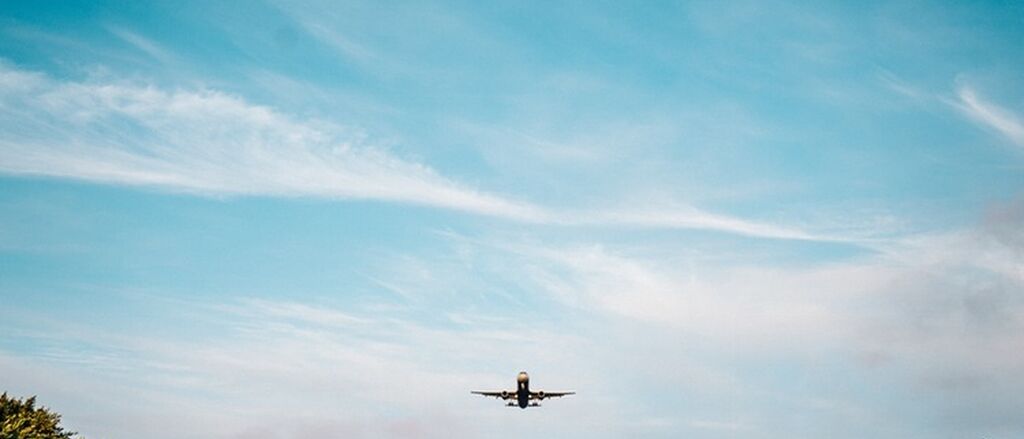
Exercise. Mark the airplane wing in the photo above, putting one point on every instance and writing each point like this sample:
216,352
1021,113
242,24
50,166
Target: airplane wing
501,394
540,394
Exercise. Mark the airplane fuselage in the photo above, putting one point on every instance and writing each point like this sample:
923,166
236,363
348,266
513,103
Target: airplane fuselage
523,390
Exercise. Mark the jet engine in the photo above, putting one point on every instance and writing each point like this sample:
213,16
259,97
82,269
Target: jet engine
504,394
540,394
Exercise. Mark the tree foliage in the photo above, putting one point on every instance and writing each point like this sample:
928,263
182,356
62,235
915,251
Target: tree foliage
21,419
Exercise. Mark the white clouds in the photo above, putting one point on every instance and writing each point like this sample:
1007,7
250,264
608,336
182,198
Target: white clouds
207,142
1002,120
951,321
976,272
944,311
748,306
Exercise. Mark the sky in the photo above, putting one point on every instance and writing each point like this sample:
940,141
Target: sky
273,220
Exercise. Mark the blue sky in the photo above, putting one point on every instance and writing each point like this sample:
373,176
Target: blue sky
281,220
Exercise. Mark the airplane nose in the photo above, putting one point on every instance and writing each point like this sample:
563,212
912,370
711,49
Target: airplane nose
523,377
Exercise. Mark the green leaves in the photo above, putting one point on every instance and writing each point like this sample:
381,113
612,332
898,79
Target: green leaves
21,419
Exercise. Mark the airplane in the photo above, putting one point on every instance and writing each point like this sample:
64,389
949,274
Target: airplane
523,395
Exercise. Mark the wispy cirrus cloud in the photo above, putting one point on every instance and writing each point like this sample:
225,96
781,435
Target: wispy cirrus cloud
208,142
690,218
345,45
1002,120
142,43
